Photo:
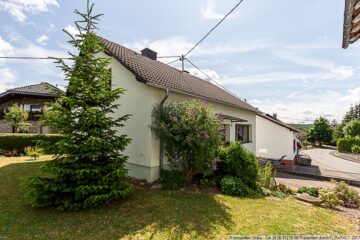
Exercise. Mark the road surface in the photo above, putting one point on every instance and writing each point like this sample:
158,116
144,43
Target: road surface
330,164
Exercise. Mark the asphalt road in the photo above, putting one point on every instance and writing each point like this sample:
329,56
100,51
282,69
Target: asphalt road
322,158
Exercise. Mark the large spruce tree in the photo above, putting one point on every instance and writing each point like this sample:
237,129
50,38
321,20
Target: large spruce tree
89,167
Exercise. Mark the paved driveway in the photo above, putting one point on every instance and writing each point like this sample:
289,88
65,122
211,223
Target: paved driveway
322,158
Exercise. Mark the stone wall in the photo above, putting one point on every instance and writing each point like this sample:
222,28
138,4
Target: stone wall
35,128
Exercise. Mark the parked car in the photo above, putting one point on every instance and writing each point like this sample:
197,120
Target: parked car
303,159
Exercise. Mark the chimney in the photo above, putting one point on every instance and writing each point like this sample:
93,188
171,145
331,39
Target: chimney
146,52
275,115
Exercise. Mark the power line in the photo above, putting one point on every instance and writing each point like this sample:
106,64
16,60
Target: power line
217,83
199,42
173,61
168,57
35,58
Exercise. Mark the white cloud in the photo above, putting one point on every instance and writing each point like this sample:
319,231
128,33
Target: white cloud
209,11
42,39
5,47
293,57
7,77
20,8
307,106
341,72
175,46
208,73
72,30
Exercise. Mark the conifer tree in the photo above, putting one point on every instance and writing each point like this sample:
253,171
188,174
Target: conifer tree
88,169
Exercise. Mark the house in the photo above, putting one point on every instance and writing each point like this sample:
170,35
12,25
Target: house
149,82
351,31
32,98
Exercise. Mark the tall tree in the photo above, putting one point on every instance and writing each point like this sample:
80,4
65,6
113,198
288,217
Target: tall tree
89,167
321,132
352,114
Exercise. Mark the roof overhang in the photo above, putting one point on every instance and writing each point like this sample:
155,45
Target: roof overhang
231,118
351,22
8,95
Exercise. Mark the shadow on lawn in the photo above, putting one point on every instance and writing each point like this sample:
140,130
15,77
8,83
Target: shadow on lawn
145,214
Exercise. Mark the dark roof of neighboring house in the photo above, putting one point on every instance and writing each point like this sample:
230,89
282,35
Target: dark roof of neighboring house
158,74
351,22
41,89
277,121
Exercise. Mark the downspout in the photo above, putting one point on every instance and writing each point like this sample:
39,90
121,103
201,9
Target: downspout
161,157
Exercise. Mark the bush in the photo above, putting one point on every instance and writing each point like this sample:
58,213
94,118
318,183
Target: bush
329,198
355,149
207,183
352,128
266,178
346,143
18,142
312,191
33,152
172,179
234,186
191,133
236,161
350,197
284,189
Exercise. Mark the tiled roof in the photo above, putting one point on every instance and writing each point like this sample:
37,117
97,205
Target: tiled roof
158,74
45,89
351,22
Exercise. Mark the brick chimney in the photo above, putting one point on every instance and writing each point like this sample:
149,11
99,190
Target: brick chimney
146,52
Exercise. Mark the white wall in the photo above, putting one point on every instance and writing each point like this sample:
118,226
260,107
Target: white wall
139,100
158,94
273,141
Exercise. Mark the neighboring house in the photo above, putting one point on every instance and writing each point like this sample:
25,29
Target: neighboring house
33,99
351,22
149,82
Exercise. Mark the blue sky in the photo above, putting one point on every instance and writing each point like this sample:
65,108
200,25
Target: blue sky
283,56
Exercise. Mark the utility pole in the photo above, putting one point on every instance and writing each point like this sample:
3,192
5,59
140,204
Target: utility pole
182,59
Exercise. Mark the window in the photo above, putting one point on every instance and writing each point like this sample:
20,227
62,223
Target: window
33,108
294,145
242,133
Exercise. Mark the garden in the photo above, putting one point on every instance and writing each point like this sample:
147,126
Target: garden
83,192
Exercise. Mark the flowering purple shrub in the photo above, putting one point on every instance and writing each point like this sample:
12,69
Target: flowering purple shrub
191,133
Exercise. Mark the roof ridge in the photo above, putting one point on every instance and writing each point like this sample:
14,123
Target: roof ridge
162,75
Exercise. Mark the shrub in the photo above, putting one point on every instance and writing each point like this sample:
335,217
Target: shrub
191,135
312,191
355,149
346,143
172,179
33,152
350,197
207,183
284,189
231,185
16,116
352,128
266,178
236,161
329,198
18,142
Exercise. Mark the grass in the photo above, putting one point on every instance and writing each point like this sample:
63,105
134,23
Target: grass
157,214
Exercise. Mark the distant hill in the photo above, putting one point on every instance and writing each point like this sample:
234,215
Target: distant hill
302,127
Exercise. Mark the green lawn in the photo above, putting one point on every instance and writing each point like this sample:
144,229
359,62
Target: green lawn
159,214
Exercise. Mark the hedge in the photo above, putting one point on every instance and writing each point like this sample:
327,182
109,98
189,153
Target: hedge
9,142
346,143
